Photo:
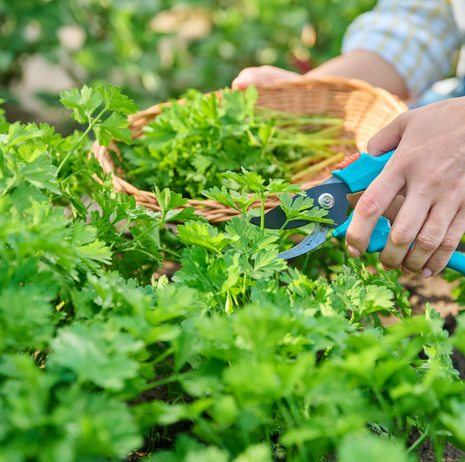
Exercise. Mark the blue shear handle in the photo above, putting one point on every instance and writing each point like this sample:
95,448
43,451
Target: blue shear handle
457,262
359,174
379,238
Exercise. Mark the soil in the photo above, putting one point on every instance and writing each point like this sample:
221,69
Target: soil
168,269
425,452
435,291
159,439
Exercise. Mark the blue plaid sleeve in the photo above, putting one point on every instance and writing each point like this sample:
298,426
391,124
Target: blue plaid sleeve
418,37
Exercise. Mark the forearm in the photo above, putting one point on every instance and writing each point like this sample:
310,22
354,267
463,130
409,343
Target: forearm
367,66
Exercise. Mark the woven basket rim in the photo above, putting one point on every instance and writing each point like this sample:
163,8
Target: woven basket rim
215,210
302,81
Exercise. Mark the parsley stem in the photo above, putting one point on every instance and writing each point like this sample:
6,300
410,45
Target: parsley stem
72,174
382,402
128,222
89,128
164,355
171,378
316,154
310,142
171,252
267,437
262,212
83,171
316,168
418,441
304,267
164,381
286,414
148,230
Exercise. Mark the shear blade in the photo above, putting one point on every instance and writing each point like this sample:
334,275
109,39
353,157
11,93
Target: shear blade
275,218
316,238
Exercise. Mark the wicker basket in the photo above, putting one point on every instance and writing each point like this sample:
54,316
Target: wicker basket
365,111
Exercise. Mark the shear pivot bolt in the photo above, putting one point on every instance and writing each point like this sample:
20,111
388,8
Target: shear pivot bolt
326,201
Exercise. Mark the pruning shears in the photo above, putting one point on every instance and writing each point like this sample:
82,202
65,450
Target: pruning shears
351,176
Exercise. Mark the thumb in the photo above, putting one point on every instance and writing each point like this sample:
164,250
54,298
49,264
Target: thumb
388,138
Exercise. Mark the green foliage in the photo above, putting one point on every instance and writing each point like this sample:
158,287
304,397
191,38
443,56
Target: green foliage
190,144
85,103
370,448
156,50
254,358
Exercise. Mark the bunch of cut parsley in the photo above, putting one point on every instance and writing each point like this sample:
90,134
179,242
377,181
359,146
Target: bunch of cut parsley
191,143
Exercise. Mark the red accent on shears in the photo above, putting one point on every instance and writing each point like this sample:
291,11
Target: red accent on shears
348,161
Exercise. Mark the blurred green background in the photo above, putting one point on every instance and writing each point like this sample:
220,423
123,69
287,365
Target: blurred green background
156,49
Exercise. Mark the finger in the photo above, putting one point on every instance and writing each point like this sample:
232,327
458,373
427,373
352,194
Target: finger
390,213
245,78
405,228
430,237
249,76
376,199
388,138
438,261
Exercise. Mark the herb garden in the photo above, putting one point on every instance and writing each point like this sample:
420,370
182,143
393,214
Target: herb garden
237,356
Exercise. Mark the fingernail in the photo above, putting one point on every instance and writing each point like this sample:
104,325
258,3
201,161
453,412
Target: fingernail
426,273
353,252
384,268
405,270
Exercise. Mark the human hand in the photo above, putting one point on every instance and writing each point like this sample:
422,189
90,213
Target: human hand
260,76
428,168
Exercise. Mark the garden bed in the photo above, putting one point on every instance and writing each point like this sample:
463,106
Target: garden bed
257,359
